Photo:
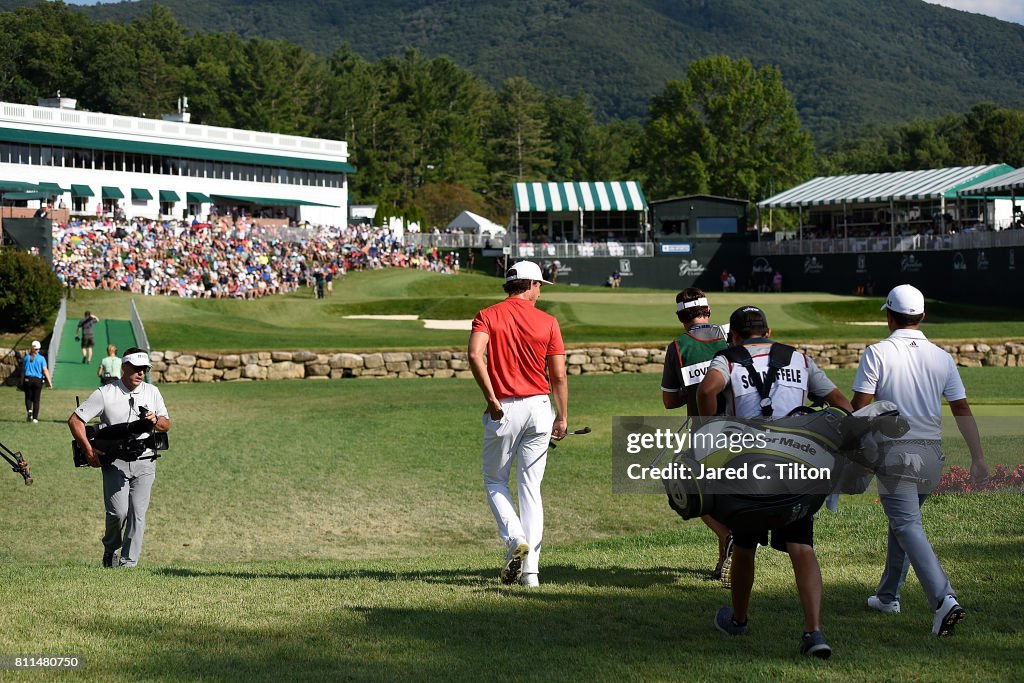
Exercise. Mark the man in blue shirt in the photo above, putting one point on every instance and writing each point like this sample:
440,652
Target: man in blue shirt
34,372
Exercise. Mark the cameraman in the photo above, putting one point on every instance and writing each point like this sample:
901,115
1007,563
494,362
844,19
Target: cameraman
126,483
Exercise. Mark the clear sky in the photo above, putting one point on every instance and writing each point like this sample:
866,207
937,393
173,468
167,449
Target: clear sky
1007,10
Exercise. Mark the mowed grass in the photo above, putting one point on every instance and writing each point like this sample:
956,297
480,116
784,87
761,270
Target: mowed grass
339,530
588,315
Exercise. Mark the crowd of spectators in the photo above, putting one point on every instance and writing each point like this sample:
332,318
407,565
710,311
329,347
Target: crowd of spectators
224,259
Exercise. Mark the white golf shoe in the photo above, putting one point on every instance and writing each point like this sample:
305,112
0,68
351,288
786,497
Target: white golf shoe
875,603
948,615
512,567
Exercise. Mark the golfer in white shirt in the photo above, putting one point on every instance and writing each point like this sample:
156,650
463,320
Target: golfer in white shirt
915,374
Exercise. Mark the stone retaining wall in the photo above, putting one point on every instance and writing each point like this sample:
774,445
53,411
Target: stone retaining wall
173,367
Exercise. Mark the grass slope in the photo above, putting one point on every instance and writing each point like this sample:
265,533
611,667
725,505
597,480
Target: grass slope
588,315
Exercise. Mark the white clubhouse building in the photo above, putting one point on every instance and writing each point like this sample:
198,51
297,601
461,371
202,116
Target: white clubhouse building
171,168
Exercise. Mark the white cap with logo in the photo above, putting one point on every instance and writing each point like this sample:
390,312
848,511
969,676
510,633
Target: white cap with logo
906,299
36,345
139,359
525,270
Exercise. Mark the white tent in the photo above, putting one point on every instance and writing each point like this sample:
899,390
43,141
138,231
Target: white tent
467,220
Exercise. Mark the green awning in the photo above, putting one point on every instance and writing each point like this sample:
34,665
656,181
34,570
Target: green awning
586,196
51,188
82,191
111,192
169,196
197,198
270,201
16,186
141,193
35,137
26,196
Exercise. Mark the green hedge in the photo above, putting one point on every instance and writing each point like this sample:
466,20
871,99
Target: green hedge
29,291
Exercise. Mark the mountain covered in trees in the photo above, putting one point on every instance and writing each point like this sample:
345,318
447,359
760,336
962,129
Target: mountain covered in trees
430,137
851,64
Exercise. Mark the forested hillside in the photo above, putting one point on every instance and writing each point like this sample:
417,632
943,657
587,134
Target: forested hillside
851,64
430,137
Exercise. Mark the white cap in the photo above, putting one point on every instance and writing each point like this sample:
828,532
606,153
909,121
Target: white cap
139,359
525,270
906,299
36,345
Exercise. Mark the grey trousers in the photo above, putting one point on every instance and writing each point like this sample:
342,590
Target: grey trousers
908,545
126,491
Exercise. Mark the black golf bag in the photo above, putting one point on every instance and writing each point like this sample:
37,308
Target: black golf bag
762,488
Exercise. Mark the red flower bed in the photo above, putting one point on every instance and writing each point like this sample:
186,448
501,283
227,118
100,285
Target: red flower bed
958,480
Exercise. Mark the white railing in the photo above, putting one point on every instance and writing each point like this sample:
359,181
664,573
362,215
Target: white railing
583,249
866,245
141,340
58,331
446,240
29,115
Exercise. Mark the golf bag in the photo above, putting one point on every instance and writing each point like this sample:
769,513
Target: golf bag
827,441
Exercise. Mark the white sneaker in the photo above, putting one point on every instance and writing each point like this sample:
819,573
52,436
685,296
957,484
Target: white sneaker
512,567
35,421
948,615
529,581
875,603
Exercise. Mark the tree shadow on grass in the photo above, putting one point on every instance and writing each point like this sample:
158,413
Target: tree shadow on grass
620,577
550,634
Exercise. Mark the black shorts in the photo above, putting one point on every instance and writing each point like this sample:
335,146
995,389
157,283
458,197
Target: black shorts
87,342
800,531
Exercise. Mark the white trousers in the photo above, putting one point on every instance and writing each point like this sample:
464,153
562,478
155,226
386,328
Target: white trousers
522,435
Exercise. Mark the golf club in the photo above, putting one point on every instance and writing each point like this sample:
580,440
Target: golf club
584,430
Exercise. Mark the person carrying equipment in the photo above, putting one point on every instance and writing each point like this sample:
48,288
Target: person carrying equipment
128,479
761,378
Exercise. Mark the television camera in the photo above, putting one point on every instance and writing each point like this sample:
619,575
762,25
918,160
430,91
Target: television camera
127,441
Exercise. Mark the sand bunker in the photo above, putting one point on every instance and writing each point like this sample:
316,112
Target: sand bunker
448,324
428,324
383,317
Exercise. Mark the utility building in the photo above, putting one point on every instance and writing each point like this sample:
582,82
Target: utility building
698,215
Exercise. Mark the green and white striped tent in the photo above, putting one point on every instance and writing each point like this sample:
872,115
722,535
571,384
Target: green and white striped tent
879,188
1006,185
596,196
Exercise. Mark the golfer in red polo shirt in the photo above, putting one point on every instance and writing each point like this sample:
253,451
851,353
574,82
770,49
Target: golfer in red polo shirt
515,350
